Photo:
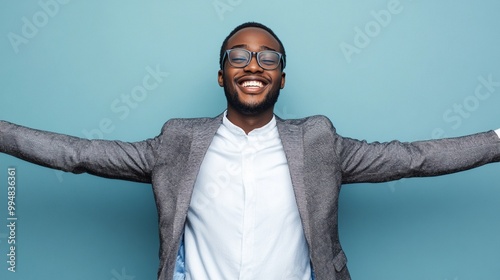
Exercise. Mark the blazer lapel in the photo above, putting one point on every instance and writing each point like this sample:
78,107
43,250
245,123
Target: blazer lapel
293,145
203,133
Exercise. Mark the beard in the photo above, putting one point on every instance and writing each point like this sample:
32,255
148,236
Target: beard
234,101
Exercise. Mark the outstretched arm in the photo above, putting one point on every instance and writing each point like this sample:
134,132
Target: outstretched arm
379,162
111,159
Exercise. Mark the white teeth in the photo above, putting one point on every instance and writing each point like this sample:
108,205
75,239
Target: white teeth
252,84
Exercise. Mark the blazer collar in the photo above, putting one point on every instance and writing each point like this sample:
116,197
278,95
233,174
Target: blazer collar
203,132
293,145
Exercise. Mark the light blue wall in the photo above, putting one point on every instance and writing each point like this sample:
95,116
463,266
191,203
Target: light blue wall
405,80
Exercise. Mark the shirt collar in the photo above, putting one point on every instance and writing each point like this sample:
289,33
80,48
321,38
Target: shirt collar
236,130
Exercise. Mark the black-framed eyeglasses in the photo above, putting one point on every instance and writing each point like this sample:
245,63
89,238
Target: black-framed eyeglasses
240,58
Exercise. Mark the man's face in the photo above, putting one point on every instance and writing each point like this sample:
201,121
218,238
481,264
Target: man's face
251,90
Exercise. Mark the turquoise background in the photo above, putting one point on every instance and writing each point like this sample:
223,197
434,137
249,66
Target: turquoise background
404,83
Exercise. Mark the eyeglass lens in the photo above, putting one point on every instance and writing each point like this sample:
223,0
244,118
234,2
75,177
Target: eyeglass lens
267,59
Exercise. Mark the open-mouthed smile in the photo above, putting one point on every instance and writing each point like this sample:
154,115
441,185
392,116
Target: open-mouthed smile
252,84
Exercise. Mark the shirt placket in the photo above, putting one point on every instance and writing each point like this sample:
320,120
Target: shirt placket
248,238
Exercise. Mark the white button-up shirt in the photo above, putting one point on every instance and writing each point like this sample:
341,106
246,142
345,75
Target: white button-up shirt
243,221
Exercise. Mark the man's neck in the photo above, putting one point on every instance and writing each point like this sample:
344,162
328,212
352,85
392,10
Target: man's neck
249,122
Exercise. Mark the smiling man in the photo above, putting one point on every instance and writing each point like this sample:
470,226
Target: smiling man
247,195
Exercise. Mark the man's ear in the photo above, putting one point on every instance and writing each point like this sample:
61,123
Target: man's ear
220,78
283,74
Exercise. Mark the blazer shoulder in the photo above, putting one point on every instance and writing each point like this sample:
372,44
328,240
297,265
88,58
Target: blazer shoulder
316,122
187,124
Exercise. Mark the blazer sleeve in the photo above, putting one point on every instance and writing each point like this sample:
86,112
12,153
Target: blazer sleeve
378,162
111,159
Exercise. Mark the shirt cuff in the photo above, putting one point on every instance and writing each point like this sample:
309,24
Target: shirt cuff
498,132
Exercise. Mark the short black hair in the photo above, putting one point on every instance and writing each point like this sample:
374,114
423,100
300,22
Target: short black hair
246,25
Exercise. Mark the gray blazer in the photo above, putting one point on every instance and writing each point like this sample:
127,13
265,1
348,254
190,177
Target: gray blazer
320,161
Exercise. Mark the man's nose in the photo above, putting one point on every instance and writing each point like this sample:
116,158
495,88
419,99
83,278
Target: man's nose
253,65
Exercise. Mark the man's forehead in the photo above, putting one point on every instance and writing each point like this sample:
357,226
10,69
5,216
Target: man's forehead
253,36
